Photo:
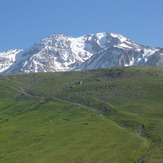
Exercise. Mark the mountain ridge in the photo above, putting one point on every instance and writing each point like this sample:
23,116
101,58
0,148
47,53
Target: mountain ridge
60,52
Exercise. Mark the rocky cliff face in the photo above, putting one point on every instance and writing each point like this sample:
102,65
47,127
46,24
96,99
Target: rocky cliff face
63,53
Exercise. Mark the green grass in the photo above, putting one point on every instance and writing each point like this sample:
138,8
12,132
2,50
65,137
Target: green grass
115,115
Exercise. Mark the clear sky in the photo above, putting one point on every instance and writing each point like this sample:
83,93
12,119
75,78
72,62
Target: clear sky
24,22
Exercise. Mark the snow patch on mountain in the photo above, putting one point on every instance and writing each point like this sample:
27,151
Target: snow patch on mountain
8,58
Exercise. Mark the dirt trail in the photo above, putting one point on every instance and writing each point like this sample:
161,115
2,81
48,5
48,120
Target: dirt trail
21,90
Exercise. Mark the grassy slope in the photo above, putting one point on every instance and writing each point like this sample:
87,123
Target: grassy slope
115,115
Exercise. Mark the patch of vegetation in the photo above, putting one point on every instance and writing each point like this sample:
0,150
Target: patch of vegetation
105,115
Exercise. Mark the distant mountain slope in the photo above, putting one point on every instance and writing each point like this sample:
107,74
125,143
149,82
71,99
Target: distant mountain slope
118,56
59,52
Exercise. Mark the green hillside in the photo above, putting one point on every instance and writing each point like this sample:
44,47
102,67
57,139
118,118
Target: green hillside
110,115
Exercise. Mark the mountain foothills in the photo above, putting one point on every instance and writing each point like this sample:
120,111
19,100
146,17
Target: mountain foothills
112,115
64,53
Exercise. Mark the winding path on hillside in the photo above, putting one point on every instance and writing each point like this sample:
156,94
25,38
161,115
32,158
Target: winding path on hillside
21,90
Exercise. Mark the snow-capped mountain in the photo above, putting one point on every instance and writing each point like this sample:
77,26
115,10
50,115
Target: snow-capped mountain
63,53
8,58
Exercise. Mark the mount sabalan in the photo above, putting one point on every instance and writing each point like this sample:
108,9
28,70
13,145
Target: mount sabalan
64,53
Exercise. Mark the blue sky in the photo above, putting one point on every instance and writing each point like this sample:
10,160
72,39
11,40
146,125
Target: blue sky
24,22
